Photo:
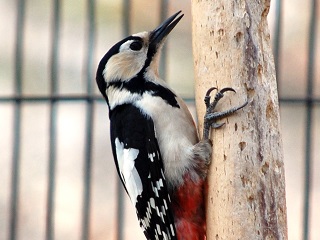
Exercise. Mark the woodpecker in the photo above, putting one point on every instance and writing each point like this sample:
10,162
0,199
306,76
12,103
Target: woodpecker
159,158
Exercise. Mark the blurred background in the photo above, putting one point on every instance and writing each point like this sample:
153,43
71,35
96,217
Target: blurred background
57,174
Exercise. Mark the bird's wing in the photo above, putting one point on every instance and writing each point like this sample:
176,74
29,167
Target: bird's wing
139,164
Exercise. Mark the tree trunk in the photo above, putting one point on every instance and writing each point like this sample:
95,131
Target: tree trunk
231,48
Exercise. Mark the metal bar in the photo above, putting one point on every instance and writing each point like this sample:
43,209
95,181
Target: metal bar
87,171
126,13
15,172
120,210
49,234
51,172
277,40
163,59
98,98
298,100
309,117
54,98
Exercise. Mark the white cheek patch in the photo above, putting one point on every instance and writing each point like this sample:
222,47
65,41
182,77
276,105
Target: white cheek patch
126,64
129,174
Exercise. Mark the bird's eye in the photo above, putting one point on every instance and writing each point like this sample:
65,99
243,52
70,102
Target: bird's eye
136,46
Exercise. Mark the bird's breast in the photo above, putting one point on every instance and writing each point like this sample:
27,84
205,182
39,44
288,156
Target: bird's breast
176,134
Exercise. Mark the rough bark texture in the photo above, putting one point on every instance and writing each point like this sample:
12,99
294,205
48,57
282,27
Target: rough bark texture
231,46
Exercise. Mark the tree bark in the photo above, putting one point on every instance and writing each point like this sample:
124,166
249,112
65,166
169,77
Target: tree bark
231,48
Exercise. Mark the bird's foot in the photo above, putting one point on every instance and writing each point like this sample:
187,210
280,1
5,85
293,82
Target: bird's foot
211,117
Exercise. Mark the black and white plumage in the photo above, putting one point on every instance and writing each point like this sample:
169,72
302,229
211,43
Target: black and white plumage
139,163
158,156
127,77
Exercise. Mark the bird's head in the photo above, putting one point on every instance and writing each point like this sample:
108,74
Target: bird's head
133,55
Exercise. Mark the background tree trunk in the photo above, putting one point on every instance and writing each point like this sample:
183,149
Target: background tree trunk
231,48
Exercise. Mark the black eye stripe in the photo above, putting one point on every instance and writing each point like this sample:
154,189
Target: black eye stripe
136,45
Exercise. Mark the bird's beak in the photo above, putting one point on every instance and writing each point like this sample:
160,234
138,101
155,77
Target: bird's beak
158,35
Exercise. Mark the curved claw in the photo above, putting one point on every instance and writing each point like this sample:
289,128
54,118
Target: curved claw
207,97
223,90
210,90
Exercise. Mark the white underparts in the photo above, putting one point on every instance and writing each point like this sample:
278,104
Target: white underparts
176,135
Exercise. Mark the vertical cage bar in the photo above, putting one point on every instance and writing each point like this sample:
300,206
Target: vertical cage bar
309,116
120,211
277,40
54,66
87,171
163,59
14,197
126,13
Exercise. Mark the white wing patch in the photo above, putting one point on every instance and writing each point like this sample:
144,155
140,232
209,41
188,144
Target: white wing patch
128,172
